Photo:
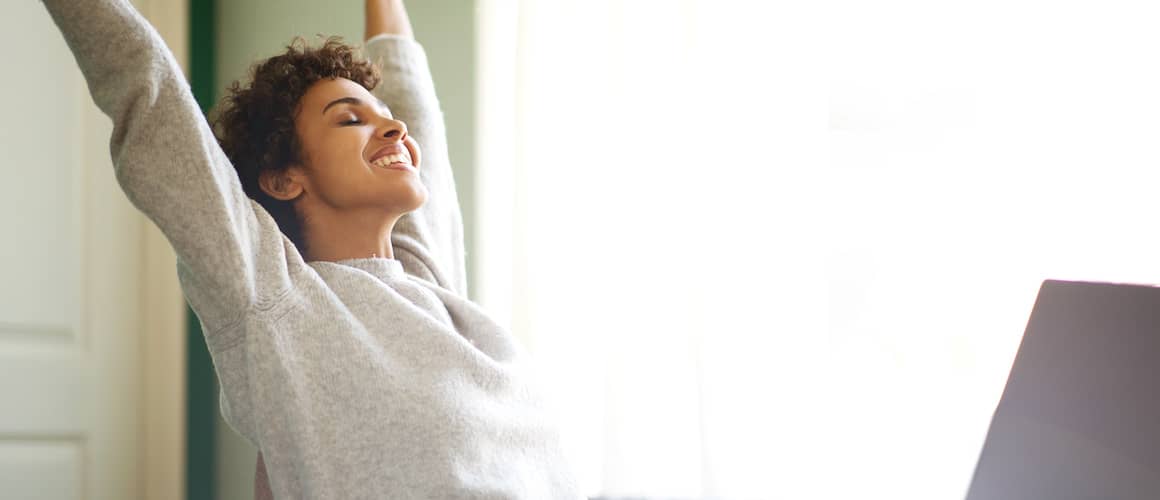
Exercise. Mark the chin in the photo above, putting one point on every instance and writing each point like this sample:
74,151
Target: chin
415,201
421,196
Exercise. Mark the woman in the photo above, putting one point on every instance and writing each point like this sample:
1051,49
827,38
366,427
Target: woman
323,254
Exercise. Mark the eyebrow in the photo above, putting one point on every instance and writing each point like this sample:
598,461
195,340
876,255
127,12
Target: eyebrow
356,102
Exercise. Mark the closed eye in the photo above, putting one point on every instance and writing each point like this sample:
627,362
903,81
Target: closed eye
352,121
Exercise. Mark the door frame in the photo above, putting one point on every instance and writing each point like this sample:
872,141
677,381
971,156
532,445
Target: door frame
163,336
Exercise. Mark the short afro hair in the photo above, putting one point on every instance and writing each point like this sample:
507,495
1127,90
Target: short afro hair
255,123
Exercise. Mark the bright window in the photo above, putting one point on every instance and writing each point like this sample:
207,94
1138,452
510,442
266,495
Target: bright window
720,313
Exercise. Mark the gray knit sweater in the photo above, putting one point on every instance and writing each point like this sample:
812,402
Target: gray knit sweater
369,378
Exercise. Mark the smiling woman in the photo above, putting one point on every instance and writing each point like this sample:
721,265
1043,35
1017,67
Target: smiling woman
335,184
303,147
354,362
256,124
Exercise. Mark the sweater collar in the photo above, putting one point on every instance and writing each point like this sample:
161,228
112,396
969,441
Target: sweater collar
379,267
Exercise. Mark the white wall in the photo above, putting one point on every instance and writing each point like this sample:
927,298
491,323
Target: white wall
249,30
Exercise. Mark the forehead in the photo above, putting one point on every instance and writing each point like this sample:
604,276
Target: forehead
324,92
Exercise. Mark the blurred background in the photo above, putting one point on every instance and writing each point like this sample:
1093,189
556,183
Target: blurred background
756,249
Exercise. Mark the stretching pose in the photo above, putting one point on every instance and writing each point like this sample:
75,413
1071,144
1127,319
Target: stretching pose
323,254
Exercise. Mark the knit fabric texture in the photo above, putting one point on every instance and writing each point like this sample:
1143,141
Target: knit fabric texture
366,378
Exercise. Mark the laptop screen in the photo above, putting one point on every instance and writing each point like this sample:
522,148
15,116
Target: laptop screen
1080,415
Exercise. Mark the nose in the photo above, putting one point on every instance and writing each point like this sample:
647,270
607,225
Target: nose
393,129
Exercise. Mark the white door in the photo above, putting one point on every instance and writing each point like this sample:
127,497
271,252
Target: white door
74,406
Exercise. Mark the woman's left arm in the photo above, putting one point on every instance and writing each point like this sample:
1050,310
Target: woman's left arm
428,241
387,17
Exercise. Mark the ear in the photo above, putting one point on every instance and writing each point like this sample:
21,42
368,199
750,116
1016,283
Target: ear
285,185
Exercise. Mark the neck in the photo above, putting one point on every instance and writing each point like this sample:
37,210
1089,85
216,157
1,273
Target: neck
330,237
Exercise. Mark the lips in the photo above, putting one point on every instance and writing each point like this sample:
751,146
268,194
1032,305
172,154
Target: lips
393,160
394,155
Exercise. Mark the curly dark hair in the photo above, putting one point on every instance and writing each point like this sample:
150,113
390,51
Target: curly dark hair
254,124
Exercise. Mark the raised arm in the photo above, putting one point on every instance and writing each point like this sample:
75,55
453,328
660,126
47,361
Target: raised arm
387,17
428,241
169,164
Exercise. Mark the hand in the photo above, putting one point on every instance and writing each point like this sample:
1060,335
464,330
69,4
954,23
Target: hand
387,16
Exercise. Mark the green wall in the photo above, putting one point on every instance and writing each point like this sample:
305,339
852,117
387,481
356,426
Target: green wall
201,384
248,30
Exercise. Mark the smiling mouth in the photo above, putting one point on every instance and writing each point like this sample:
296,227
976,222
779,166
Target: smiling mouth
395,160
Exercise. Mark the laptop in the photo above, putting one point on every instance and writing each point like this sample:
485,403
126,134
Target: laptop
1080,415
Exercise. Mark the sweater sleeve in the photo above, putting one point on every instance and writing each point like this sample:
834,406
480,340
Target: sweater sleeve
232,257
429,241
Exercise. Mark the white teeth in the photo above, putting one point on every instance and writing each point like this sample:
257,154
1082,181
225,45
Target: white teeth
403,157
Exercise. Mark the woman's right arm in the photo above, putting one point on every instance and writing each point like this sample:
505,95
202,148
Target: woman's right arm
169,163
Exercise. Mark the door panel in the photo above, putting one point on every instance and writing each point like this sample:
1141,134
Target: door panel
41,468
70,292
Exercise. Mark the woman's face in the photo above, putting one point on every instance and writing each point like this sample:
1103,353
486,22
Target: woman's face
356,157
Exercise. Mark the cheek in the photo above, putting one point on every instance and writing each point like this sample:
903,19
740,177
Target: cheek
342,147
312,143
416,154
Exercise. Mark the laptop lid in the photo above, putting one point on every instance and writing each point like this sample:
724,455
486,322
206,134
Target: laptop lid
1080,415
